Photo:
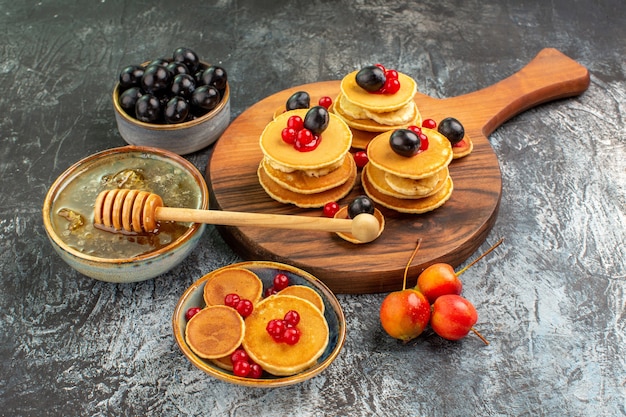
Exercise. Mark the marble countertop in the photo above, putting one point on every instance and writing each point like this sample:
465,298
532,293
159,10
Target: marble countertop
551,299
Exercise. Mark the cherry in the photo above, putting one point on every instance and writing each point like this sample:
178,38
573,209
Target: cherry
281,281
429,124
325,102
292,317
453,317
330,209
361,159
191,312
244,307
437,280
241,368
231,300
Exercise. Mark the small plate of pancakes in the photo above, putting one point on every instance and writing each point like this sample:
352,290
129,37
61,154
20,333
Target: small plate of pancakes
194,296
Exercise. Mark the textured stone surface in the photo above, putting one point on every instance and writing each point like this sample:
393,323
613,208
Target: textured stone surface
551,299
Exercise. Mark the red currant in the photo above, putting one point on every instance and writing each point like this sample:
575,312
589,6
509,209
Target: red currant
289,135
325,102
241,368
391,86
361,159
423,143
459,144
391,73
256,371
305,136
281,281
330,209
192,312
276,328
415,129
429,124
231,300
291,336
292,317
239,355
270,291
244,307
295,122
381,67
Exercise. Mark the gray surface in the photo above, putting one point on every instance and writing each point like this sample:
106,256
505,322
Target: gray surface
551,299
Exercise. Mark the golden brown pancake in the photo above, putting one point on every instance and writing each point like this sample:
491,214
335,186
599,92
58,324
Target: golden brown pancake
335,143
279,358
378,103
243,282
424,164
409,188
283,195
463,148
300,182
215,331
305,292
405,205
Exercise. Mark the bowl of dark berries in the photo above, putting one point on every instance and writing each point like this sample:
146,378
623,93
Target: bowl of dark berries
177,103
259,324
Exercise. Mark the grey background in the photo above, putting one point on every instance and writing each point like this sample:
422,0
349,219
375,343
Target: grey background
551,299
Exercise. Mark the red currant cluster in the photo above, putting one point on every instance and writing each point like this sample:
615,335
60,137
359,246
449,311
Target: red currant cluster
423,138
243,366
243,306
296,134
392,84
285,330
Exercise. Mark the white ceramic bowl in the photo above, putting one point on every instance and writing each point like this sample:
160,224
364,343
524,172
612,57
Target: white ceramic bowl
82,182
181,138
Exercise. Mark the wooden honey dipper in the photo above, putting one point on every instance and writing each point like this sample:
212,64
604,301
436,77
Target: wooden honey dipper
133,211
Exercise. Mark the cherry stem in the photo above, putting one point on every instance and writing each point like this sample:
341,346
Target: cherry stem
480,336
480,257
406,270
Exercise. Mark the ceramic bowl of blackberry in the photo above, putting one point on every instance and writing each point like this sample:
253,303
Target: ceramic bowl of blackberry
178,103
98,248
296,280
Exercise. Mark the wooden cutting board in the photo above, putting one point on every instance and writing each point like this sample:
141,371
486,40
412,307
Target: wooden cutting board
451,234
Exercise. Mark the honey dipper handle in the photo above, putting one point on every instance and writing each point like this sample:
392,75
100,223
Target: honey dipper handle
233,218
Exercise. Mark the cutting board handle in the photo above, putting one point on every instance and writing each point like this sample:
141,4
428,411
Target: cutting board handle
549,76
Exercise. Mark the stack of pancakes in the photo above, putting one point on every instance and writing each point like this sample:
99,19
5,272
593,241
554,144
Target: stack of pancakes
376,113
415,184
307,179
217,330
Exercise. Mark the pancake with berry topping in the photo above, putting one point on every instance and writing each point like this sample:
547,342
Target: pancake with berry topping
424,164
215,332
462,148
277,357
362,119
378,102
243,282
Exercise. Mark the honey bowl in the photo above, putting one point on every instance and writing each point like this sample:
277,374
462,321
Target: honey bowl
123,257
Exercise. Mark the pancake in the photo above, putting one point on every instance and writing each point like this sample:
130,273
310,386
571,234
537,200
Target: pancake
224,362
413,206
378,103
335,143
300,182
281,359
245,283
424,164
215,332
285,196
401,117
305,292
369,125
463,148
409,188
